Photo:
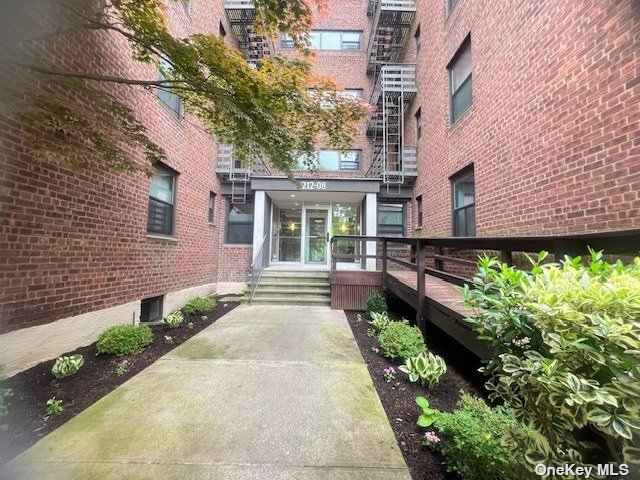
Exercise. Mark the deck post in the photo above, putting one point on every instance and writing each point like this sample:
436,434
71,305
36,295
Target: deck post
420,268
384,264
438,263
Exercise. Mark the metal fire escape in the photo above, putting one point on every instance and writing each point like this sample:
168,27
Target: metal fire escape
255,47
394,161
233,171
242,16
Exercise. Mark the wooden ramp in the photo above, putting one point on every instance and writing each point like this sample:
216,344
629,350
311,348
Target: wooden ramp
441,305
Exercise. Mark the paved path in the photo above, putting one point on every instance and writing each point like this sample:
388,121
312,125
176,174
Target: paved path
267,392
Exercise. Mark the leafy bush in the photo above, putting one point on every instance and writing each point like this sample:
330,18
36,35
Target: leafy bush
4,393
472,441
566,352
379,321
199,306
66,366
426,367
376,303
124,339
399,340
54,406
173,320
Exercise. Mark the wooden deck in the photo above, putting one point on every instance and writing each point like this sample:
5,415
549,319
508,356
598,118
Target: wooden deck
442,305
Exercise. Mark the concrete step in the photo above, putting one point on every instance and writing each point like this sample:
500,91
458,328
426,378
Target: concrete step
294,274
292,291
269,283
289,300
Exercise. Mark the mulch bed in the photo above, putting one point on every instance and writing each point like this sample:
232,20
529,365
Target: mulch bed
26,421
398,396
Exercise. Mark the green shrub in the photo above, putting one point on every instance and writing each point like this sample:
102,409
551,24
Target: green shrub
399,340
379,321
376,303
426,367
473,441
199,306
173,320
566,352
4,393
124,339
66,366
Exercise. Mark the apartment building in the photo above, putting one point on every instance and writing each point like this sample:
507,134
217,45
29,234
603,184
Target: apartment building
487,118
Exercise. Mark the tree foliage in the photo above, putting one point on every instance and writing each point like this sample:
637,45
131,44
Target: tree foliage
280,111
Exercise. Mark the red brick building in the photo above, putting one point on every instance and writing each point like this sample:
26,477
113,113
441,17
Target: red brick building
488,119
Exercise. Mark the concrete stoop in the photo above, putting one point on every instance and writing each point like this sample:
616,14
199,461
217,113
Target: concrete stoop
280,287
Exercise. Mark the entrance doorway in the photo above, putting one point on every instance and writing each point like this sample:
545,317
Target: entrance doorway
301,234
316,236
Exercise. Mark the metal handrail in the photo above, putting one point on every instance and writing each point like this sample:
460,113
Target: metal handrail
257,266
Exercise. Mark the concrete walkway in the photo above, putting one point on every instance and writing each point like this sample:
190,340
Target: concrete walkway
267,392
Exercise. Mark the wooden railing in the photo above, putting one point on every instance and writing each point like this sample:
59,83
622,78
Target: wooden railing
462,252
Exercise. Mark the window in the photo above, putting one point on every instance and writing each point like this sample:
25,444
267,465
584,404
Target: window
345,160
328,40
212,207
460,81
162,194
450,5
170,100
151,309
416,37
419,123
464,203
353,92
391,219
419,208
286,41
240,223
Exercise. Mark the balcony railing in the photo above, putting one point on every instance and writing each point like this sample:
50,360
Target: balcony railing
242,16
227,165
407,168
392,21
400,79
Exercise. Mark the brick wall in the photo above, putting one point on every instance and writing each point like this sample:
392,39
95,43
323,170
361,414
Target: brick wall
554,128
75,241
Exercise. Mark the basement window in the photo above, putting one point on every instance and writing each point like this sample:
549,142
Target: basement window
151,309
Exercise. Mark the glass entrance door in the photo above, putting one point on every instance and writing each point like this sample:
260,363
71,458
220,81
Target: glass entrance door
316,236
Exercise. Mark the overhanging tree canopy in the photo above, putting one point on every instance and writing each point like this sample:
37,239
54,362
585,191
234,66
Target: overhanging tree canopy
280,111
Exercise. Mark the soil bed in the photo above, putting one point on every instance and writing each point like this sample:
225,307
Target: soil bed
26,422
398,396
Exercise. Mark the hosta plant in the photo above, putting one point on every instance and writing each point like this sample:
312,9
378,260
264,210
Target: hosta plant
426,367
66,366
54,406
379,321
428,415
173,320
566,342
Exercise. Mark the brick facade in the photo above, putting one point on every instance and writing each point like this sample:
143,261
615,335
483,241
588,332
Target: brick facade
76,241
553,132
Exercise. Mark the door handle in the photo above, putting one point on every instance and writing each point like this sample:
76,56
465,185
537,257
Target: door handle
327,236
